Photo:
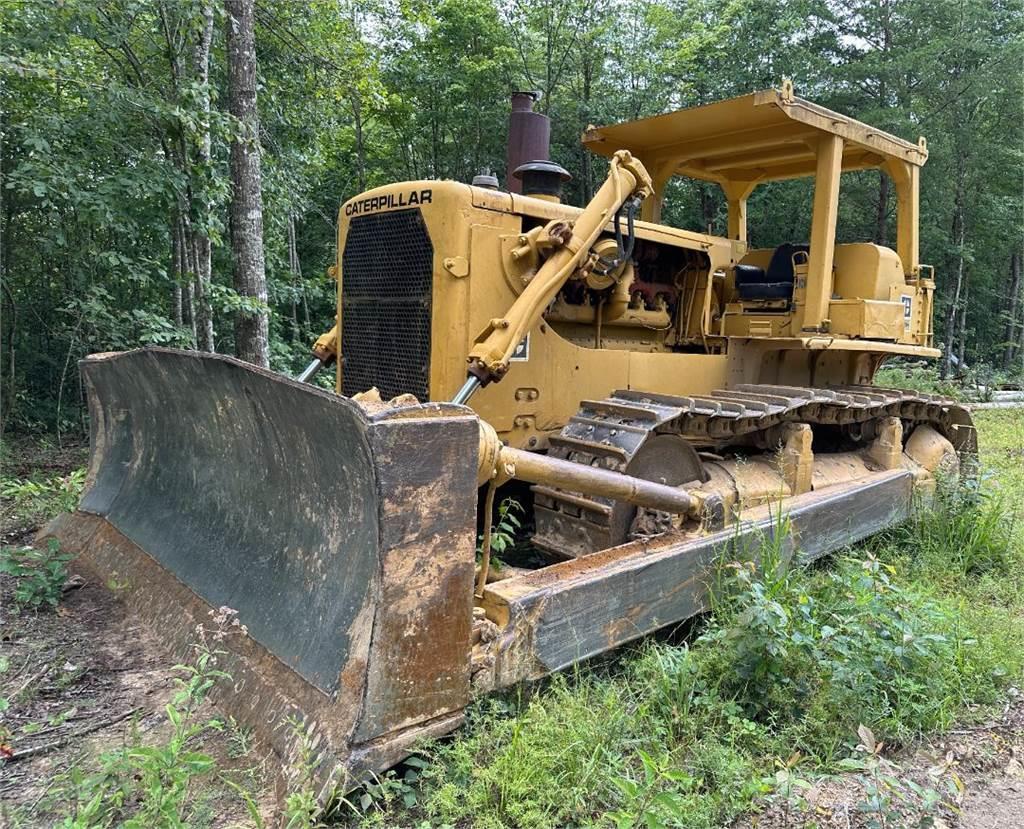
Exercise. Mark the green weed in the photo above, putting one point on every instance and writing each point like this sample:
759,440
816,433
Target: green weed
302,809
890,798
395,787
654,800
240,739
6,751
503,533
35,500
40,574
141,785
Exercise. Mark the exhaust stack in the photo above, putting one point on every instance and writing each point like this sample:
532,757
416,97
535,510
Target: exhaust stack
529,137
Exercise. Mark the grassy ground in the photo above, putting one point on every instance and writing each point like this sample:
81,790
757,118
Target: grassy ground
795,676
860,692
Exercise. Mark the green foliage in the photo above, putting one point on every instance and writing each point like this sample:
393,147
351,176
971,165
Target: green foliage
503,531
395,787
101,118
917,377
858,644
37,499
654,801
302,809
40,574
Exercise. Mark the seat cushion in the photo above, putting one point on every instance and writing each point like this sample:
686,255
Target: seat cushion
780,269
752,283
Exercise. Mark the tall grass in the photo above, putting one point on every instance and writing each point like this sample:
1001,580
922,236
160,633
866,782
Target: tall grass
966,530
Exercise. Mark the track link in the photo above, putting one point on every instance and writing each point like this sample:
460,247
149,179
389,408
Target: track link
610,432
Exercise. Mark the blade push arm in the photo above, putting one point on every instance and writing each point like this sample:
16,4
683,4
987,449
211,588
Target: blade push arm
489,358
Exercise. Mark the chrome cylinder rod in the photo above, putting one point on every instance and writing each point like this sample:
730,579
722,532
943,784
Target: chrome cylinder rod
310,371
471,385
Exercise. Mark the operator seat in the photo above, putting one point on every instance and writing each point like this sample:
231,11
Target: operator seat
753,282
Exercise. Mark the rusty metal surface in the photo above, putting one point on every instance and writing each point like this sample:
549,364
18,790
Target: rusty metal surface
529,137
578,608
591,480
345,541
419,657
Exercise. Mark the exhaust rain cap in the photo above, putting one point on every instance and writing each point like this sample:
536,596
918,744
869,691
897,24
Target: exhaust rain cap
542,179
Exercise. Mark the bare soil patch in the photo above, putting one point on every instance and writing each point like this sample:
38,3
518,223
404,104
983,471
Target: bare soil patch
986,759
84,680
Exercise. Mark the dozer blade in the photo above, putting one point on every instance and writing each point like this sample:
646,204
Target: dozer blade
345,542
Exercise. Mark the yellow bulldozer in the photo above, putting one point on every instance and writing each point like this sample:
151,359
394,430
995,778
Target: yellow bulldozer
656,398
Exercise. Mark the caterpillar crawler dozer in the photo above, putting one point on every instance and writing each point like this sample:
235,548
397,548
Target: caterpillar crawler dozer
659,394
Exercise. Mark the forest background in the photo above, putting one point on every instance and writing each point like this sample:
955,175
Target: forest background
120,122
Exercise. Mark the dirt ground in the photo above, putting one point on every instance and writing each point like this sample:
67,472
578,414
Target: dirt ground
978,770
79,681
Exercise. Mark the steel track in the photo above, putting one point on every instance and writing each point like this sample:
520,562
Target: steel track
610,432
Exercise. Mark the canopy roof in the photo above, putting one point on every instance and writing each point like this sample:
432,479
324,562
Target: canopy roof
763,136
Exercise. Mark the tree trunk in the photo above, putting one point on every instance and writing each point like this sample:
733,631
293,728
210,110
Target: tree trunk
188,314
251,323
882,210
708,207
296,275
1020,330
200,231
357,120
961,351
7,316
954,304
587,163
1010,337
176,273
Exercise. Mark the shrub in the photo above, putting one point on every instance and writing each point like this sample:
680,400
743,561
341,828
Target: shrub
40,574
45,497
813,655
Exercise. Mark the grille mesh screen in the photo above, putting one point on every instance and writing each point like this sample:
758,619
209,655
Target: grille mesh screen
387,279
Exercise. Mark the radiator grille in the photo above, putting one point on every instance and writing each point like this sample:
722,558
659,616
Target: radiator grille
387,280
